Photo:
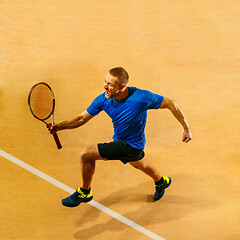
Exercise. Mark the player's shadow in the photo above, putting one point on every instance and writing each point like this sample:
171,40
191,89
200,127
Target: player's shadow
170,208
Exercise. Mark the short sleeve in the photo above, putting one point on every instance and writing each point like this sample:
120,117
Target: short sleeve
153,100
96,106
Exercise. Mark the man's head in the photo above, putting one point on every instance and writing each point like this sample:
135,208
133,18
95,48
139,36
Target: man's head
115,82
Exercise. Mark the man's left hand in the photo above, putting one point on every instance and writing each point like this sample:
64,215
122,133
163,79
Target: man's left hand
187,135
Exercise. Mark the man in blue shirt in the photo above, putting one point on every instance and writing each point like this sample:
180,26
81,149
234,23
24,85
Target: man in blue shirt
127,107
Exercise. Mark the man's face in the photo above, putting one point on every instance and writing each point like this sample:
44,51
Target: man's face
111,86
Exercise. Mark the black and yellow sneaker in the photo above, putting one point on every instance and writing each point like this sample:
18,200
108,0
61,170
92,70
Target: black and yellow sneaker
160,189
78,197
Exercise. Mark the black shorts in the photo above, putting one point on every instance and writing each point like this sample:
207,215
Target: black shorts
119,150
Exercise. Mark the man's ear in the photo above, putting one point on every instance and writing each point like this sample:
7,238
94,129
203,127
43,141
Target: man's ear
121,87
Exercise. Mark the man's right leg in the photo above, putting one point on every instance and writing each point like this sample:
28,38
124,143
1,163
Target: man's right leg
88,157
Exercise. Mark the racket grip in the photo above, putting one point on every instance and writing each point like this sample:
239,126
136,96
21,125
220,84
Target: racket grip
55,136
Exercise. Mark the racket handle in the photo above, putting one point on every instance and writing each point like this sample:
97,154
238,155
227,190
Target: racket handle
59,146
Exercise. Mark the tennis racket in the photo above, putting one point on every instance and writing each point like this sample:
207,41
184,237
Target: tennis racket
41,101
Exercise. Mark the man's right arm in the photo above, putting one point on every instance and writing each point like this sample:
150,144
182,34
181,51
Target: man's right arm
71,124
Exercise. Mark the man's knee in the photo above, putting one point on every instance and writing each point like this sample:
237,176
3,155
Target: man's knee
89,153
134,164
86,153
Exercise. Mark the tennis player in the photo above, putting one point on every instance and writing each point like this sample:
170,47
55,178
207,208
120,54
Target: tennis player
127,106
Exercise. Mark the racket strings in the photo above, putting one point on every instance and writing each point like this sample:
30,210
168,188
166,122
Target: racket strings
41,101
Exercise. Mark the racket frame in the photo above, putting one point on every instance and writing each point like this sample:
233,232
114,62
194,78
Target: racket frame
53,108
51,114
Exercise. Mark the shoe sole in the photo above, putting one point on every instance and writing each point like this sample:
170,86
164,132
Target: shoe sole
74,204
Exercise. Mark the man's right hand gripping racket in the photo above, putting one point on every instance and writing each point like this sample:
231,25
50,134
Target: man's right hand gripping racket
41,102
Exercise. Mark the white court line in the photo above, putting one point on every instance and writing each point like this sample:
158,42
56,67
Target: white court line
71,190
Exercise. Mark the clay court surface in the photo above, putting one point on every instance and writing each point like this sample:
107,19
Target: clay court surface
185,50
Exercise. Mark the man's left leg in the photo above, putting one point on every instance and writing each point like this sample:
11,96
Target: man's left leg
161,182
147,167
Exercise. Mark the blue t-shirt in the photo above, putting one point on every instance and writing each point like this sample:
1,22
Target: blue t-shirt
129,115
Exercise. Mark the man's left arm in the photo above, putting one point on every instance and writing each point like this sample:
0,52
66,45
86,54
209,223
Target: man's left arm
173,107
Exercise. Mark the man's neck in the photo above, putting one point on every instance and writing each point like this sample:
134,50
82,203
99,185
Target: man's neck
122,95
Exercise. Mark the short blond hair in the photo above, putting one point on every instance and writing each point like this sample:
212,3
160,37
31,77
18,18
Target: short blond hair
121,74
